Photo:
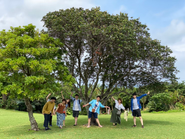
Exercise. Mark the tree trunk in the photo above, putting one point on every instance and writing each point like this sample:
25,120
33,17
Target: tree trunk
34,125
5,97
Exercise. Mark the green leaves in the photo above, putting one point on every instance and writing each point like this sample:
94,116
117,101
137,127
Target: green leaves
113,50
28,63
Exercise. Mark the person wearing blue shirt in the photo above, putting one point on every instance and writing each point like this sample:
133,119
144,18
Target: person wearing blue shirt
94,110
135,108
76,107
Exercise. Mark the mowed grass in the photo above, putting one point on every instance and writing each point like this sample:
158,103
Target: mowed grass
15,125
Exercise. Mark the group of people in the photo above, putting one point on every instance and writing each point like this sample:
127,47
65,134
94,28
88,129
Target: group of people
49,110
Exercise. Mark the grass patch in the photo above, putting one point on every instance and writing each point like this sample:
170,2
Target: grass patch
15,125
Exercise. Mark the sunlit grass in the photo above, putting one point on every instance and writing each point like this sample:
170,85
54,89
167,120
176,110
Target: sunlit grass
15,125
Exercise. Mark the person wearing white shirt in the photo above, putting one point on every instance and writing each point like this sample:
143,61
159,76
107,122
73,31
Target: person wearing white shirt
116,113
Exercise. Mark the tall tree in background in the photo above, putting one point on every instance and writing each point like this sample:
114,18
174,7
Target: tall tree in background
29,61
111,50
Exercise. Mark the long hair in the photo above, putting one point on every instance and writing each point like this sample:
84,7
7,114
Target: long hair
69,104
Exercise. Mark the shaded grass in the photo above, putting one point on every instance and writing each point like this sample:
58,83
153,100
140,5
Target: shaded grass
15,125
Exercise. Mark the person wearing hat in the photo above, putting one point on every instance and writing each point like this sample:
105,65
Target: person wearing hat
135,108
76,107
48,111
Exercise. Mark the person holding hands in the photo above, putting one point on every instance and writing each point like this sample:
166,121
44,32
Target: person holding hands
60,115
94,110
48,111
65,109
47,99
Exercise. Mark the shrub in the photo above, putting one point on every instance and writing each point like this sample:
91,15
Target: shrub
180,106
159,102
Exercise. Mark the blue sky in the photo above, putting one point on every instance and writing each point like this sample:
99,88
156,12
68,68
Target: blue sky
165,18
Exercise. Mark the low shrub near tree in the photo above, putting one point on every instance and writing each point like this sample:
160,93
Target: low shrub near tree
159,102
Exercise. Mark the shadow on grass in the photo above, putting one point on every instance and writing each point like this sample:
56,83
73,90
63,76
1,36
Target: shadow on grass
20,130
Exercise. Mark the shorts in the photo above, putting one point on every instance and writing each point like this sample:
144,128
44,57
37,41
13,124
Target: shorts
94,114
75,113
136,113
64,116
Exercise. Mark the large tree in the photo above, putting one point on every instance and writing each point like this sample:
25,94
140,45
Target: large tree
29,61
111,50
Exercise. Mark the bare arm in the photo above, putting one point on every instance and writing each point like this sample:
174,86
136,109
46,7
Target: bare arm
57,109
86,105
62,95
113,98
71,94
48,96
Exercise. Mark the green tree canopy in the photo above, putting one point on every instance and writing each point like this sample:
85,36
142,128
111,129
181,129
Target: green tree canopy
28,60
111,50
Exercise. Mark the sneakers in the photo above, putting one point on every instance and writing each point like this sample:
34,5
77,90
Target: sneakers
135,126
47,128
75,125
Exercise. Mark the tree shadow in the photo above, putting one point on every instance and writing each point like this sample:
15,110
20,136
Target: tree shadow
105,121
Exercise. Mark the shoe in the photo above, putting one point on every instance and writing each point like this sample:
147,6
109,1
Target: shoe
134,126
50,125
88,126
47,128
115,123
142,126
75,125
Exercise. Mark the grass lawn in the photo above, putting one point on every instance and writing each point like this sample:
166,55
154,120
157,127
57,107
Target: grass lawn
15,125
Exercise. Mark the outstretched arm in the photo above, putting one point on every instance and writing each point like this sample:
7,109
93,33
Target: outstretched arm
102,106
86,105
62,95
113,98
48,96
144,95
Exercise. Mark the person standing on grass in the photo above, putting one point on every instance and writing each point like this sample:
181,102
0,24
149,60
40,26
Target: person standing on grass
116,113
94,110
48,111
47,99
65,110
135,108
76,107
59,111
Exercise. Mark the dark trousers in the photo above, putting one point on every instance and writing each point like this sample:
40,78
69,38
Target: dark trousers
50,121
46,119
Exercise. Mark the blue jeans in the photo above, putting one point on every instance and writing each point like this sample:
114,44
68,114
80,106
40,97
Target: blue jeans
46,119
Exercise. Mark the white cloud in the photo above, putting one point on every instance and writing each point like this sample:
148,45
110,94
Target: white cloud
174,37
23,12
122,8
